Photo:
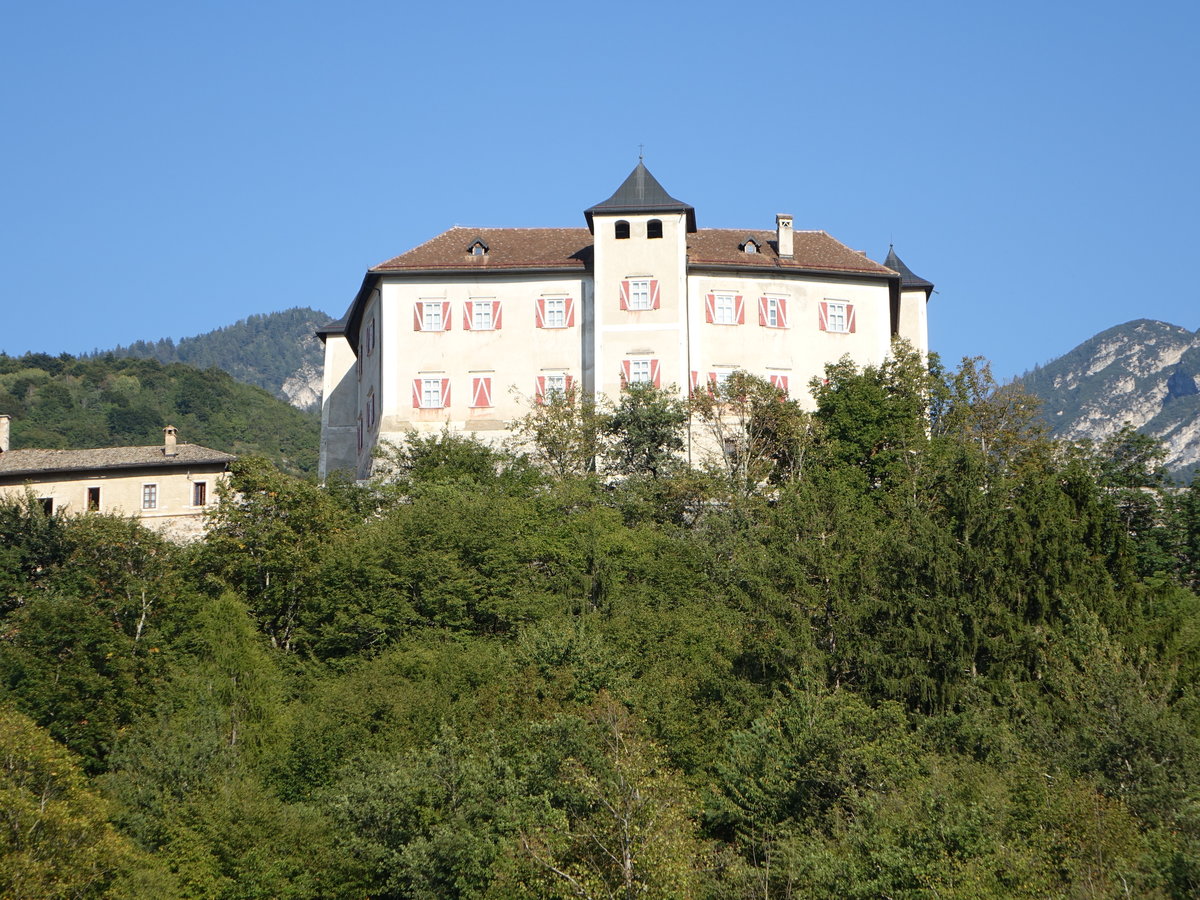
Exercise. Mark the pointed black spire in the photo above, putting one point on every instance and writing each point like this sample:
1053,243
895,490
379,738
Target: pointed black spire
909,280
641,193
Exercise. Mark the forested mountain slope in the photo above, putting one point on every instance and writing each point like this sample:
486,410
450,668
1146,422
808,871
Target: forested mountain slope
1143,373
277,351
866,654
59,402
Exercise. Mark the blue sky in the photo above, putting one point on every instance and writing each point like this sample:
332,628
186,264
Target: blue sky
172,168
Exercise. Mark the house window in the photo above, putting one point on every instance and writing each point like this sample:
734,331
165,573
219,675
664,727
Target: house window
431,316
639,294
751,246
93,499
621,230
370,338
481,392
477,248
654,228
431,393
724,309
371,410
200,493
639,370
47,504
360,434
772,312
556,384
149,496
837,316
556,312
481,319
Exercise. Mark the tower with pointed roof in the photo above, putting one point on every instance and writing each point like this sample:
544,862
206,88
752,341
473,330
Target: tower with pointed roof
473,327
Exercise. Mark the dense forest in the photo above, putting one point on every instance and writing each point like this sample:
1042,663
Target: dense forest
263,350
59,402
904,646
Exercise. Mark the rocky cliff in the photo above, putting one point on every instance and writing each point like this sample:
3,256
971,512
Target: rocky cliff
1144,373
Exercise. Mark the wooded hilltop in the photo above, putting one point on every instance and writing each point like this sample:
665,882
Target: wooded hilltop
905,646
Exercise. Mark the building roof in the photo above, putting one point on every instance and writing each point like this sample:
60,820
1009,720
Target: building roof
46,462
811,251
641,193
908,279
507,248
571,249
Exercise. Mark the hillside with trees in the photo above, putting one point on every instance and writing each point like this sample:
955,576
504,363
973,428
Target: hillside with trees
903,646
268,350
60,401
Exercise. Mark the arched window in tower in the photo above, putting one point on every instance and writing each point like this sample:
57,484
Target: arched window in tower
622,230
654,228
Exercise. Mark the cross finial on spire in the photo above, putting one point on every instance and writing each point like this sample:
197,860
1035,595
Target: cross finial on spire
641,152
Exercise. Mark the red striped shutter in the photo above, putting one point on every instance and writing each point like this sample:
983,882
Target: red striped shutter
540,390
568,382
445,392
780,381
569,315
762,312
781,304
710,308
654,374
823,316
418,318
850,324
445,315
626,364
540,312
695,380
468,312
496,326
712,380
654,301
739,310
416,393
624,295
481,392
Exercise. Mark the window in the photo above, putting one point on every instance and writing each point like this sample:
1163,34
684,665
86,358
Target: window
772,312
836,316
552,385
750,246
371,410
149,496
481,320
47,504
781,382
555,312
431,393
431,315
654,228
477,248
481,392
724,309
639,294
360,434
621,230
641,370
93,499
200,493
369,339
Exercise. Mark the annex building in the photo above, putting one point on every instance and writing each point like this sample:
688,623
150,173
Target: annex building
472,326
168,487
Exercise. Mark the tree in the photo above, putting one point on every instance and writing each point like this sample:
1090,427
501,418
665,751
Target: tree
646,430
564,432
756,434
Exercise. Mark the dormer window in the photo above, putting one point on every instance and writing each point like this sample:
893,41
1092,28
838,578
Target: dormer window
477,248
621,230
750,245
654,228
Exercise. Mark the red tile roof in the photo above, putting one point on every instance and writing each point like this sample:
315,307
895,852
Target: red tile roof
571,249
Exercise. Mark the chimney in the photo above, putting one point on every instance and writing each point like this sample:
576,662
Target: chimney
169,441
783,228
4,420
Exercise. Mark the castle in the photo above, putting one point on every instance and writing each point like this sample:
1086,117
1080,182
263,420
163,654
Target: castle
468,328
